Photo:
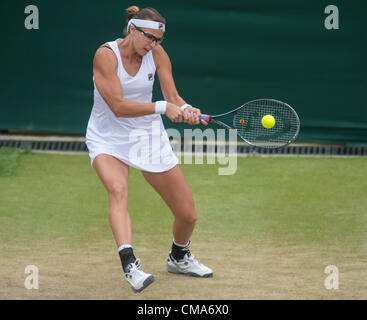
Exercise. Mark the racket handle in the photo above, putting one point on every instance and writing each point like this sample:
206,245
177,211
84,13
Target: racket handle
205,117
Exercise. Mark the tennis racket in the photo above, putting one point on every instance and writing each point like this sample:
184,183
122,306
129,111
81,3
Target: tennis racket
281,128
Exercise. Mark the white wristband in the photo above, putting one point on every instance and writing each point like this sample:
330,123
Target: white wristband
160,107
185,106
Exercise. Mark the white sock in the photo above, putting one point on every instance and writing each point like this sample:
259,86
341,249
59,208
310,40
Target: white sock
180,245
124,246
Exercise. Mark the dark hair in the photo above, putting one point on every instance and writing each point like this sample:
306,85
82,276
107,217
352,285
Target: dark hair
145,14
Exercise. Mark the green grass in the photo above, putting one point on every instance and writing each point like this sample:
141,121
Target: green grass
278,222
8,161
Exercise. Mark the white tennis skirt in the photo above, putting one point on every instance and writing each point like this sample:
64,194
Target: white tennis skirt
139,156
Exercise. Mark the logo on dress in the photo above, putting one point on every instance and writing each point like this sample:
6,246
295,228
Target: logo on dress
150,76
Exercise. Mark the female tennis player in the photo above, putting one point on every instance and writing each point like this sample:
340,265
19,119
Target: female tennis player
125,130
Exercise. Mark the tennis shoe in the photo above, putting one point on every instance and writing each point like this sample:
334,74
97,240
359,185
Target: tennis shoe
137,278
188,266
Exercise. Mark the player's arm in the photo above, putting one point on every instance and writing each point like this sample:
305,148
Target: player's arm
164,71
168,87
109,86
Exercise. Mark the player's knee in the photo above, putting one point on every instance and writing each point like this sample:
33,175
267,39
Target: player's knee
190,218
193,218
191,215
117,190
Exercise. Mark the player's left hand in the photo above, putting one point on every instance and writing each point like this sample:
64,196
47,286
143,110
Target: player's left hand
193,116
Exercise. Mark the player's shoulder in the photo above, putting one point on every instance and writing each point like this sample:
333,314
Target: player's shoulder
104,54
104,50
160,56
158,51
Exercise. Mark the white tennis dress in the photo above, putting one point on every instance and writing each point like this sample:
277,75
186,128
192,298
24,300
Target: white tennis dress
140,142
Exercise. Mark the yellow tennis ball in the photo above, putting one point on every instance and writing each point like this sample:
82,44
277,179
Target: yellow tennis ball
268,121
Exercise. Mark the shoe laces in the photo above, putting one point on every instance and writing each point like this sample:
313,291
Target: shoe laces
133,267
191,258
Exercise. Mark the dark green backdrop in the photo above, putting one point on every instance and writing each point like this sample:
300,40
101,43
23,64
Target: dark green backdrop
224,53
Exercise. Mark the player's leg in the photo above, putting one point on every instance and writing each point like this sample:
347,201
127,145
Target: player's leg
172,186
114,175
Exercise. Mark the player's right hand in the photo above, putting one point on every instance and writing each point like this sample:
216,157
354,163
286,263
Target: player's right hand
175,113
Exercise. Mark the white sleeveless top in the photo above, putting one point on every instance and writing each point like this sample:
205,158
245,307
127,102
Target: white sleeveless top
140,142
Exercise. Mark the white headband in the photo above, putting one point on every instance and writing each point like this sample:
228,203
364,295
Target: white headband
146,24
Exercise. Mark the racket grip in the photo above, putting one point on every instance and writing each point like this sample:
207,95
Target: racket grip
205,117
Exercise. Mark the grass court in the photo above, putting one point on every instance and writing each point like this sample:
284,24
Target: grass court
268,231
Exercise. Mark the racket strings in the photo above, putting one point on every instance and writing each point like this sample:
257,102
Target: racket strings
248,122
